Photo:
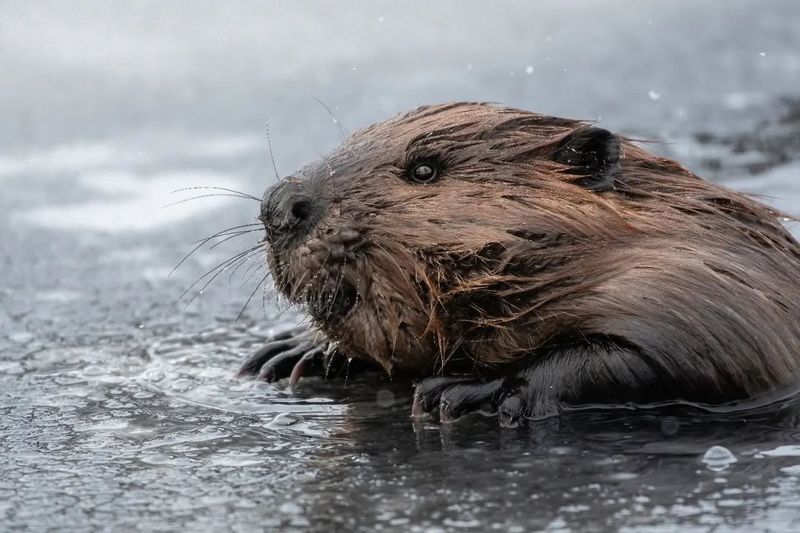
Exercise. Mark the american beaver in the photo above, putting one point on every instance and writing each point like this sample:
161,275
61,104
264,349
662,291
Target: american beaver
522,262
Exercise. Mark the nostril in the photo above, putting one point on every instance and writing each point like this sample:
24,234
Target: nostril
301,211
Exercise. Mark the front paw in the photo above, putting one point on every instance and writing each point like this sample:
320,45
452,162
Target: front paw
510,398
294,353
301,352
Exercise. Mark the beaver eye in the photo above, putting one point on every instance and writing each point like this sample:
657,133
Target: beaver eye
424,172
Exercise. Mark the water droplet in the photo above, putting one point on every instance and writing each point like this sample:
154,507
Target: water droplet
654,95
718,458
762,54
381,19
529,70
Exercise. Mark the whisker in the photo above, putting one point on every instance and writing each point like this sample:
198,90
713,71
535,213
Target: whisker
226,189
263,279
271,155
219,269
343,133
233,236
331,173
240,264
171,204
226,232
201,242
251,270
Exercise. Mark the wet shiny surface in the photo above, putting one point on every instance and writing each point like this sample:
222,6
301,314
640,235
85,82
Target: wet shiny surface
118,405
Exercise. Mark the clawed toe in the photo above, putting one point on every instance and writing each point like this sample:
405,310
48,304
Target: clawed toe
283,364
296,354
453,397
284,356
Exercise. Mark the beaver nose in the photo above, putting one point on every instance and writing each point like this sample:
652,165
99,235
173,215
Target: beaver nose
288,211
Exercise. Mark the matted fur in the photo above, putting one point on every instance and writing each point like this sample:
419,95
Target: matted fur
667,285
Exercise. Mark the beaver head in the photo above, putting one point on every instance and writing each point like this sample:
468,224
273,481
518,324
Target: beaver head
467,234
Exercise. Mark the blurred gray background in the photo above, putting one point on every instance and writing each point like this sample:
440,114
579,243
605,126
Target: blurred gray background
95,70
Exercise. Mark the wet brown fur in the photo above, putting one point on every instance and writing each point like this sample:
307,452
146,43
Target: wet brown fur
666,286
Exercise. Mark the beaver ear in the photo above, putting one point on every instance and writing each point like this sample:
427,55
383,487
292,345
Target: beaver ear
594,154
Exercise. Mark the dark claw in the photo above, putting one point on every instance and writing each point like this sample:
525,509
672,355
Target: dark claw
259,358
297,353
278,357
511,411
301,367
460,399
282,364
430,390
456,396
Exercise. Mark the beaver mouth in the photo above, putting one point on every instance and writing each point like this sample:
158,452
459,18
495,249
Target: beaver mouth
317,276
333,305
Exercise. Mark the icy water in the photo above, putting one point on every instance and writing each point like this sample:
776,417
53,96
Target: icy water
118,405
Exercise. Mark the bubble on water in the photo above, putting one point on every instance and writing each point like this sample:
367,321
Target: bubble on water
654,95
529,70
718,458
182,385
283,420
381,19
385,398
670,426
762,54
